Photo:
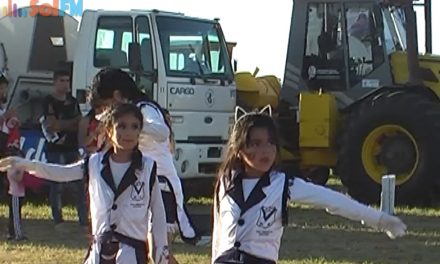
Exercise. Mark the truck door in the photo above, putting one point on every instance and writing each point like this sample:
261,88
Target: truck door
103,42
111,36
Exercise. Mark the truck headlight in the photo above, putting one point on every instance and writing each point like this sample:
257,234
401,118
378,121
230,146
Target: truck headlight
177,119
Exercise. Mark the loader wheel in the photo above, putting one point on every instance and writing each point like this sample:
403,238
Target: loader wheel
396,133
318,175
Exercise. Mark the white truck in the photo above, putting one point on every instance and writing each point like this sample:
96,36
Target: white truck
181,62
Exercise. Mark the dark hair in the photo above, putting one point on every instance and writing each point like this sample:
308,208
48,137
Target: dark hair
60,73
120,110
108,80
3,79
238,140
94,102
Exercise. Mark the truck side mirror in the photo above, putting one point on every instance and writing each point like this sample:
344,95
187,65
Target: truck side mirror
235,66
134,57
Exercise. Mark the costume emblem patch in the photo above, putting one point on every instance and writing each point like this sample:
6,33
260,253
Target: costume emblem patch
267,217
137,191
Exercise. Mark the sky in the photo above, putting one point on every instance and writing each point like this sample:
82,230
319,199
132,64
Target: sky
260,28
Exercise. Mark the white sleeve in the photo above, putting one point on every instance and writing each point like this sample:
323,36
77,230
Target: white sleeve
158,224
154,124
56,172
334,202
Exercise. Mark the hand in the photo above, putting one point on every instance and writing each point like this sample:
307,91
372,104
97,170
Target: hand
57,126
16,174
15,163
393,226
13,122
52,124
53,127
10,113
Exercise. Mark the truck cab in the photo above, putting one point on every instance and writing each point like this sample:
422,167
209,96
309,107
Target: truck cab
184,66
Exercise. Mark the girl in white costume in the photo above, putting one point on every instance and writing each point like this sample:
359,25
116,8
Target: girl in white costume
124,196
114,86
250,200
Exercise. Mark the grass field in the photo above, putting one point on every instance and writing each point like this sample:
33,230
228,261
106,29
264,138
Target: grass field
312,237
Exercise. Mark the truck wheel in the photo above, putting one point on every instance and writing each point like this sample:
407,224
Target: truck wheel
396,133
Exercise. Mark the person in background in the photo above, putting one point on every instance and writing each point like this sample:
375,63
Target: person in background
360,28
8,118
89,130
61,115
10,145
15,202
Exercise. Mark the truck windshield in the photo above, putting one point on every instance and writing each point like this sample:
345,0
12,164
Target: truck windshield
193,48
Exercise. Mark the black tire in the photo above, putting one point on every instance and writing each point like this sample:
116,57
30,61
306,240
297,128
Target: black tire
417,115
318,175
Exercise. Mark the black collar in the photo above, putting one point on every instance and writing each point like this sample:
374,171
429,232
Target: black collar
235,191
129,177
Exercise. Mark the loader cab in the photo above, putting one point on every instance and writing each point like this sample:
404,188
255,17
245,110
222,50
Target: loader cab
341,47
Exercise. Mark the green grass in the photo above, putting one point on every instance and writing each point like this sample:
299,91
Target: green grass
312,237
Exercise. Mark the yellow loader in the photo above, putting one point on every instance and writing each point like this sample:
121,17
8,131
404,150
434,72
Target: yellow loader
357,98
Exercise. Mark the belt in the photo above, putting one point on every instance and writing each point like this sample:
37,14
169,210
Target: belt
235,256
109,242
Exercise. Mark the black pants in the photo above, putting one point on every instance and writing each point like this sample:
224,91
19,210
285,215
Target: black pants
14,225
169,200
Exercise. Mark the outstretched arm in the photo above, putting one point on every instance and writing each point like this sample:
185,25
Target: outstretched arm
49,171
338,204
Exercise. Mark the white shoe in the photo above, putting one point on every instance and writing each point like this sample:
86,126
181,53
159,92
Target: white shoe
204,241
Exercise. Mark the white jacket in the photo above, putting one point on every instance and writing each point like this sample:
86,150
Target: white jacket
255,225
127,209
154,142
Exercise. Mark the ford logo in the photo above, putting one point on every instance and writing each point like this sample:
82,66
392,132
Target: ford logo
209,98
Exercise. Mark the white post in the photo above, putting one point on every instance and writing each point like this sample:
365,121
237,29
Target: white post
387,195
